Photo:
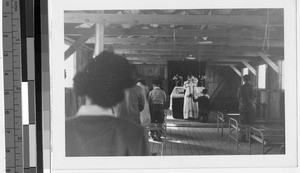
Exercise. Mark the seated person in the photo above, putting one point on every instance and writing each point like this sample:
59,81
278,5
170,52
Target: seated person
204,106
95,131
157,99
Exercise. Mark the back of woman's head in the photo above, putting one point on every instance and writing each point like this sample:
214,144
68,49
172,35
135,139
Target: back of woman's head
142,81
104,79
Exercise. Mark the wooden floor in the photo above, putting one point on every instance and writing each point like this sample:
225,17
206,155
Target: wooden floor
191,137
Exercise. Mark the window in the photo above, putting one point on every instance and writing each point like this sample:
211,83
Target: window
262,76
245,71
69,69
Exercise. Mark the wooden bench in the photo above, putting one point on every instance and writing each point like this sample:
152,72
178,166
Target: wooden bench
268,137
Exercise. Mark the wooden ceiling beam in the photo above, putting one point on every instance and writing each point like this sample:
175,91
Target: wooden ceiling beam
135,60
249,67
210,55
80,41
257,34
165,62
223,63
135,19
147,59
228,59
237,71
190,42
270,62
220,64
149,62
203,52
191,48
219,59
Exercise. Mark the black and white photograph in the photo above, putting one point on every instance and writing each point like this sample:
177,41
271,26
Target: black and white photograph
165,84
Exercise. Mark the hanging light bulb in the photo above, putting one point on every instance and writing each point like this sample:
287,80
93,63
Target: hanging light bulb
205,41
190,57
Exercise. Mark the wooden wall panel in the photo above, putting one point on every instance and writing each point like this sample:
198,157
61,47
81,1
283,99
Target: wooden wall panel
150,72
262,104
222,84
274,99
274,105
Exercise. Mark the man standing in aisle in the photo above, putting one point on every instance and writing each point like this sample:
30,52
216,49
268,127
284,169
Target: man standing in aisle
247,108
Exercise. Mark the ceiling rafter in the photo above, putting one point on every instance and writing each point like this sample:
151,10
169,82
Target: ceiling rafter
80,41
191,48
248,54
236,34
169,41
190,33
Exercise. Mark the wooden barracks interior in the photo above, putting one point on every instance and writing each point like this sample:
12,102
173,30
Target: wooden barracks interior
218,46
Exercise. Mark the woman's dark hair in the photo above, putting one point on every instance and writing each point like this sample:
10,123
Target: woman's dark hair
104,79
142,81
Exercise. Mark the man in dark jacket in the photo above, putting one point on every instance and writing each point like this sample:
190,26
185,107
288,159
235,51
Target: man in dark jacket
246,96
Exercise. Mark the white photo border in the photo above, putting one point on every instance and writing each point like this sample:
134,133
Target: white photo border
56,29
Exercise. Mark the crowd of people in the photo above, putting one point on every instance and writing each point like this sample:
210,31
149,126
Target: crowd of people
118,108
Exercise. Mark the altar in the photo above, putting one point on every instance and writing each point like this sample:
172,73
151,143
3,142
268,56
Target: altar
177,100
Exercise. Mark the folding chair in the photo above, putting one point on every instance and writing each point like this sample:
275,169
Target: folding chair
235,129
160,127
220,122
267,138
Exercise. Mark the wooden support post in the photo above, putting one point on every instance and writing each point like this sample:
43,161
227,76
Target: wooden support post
81,40
249,67
99,38
270,62
236,70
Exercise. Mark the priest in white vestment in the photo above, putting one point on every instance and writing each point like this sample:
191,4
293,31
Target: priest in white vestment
190,108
